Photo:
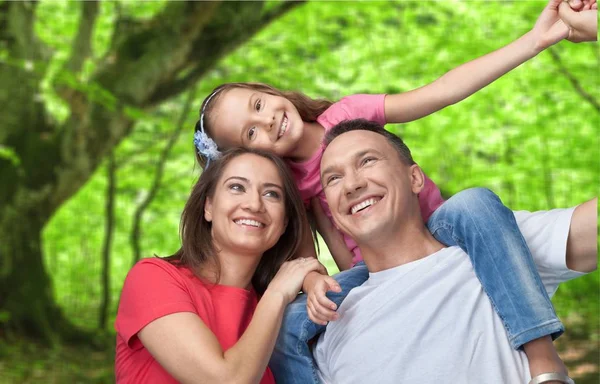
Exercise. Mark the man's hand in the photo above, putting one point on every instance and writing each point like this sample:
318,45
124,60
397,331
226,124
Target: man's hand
582,24
320,309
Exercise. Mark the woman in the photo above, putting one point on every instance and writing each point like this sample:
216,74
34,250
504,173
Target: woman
195,316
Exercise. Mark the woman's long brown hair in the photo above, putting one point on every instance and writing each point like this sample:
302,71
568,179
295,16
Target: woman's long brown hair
308,108
197,243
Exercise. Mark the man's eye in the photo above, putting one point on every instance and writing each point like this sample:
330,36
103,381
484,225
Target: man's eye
368,160
331,179
251,133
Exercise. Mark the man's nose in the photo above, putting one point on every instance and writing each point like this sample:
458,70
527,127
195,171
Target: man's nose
353,182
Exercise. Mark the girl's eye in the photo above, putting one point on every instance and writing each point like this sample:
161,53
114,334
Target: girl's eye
251,133
237,187
258,105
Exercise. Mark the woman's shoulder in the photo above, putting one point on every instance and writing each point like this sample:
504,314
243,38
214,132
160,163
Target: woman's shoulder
155,269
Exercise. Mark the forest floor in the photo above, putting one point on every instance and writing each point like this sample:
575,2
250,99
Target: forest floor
27,362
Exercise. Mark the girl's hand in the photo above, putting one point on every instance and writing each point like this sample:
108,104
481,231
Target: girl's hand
288,280
320,309
582,25
332,236
549,29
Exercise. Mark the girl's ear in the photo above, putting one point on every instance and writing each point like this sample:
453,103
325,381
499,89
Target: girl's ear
208,209
417,178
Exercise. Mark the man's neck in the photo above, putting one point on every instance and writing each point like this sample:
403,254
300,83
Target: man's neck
411,243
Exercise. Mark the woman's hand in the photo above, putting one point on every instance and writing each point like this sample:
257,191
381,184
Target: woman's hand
288,280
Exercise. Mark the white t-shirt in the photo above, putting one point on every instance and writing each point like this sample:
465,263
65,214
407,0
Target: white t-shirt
429,321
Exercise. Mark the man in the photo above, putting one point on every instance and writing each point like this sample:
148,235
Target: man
422,316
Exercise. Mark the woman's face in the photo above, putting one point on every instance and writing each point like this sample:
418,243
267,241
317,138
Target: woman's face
252,119
247,210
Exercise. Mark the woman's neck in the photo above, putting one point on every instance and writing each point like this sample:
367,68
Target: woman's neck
312,137
235,270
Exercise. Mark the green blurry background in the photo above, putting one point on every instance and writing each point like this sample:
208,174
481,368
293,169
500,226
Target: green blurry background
532,136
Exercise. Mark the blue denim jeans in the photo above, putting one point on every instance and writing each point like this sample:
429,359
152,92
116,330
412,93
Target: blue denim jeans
478,222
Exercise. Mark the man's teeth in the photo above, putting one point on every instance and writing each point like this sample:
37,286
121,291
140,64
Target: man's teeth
283,127
364,204
252,223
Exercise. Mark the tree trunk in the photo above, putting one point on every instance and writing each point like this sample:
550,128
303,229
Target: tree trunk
26,291
108,236
50,161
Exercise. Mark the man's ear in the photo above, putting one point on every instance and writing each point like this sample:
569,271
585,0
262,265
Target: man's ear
208,210
417,179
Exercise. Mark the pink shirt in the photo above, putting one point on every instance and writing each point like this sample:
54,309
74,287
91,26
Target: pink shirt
307,174
155,288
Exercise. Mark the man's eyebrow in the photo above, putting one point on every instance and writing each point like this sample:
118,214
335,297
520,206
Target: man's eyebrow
357,155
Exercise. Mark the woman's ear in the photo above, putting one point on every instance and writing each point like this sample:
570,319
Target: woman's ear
417,179
208,210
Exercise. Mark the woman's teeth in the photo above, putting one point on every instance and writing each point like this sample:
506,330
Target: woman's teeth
252,223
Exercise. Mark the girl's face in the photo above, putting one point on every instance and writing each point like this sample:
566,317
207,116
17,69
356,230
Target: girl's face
252,119
247,209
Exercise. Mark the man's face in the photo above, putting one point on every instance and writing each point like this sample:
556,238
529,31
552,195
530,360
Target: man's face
370,191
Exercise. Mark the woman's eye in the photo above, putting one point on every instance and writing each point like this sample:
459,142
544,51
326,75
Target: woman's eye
258,105
237,187
273,194
251,133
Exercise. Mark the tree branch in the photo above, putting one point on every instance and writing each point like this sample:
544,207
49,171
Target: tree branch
219,38
82,44
160,165
574,82
155,53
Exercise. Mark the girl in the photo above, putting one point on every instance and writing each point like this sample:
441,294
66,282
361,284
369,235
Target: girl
292,126
195,315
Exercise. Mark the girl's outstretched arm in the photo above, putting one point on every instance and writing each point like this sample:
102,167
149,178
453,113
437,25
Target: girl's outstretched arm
463,81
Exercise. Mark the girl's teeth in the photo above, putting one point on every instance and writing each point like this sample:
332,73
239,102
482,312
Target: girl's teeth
283,127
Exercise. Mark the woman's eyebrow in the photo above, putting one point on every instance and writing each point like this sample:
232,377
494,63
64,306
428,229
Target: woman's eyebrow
273,185
237,178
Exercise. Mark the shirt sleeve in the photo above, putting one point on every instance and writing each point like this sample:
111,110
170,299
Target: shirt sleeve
546,234
153,288
369,107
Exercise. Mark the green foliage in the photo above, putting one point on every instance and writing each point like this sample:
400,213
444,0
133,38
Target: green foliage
530,136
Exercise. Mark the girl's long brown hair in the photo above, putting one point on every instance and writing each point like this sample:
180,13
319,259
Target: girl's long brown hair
197,243
308,108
